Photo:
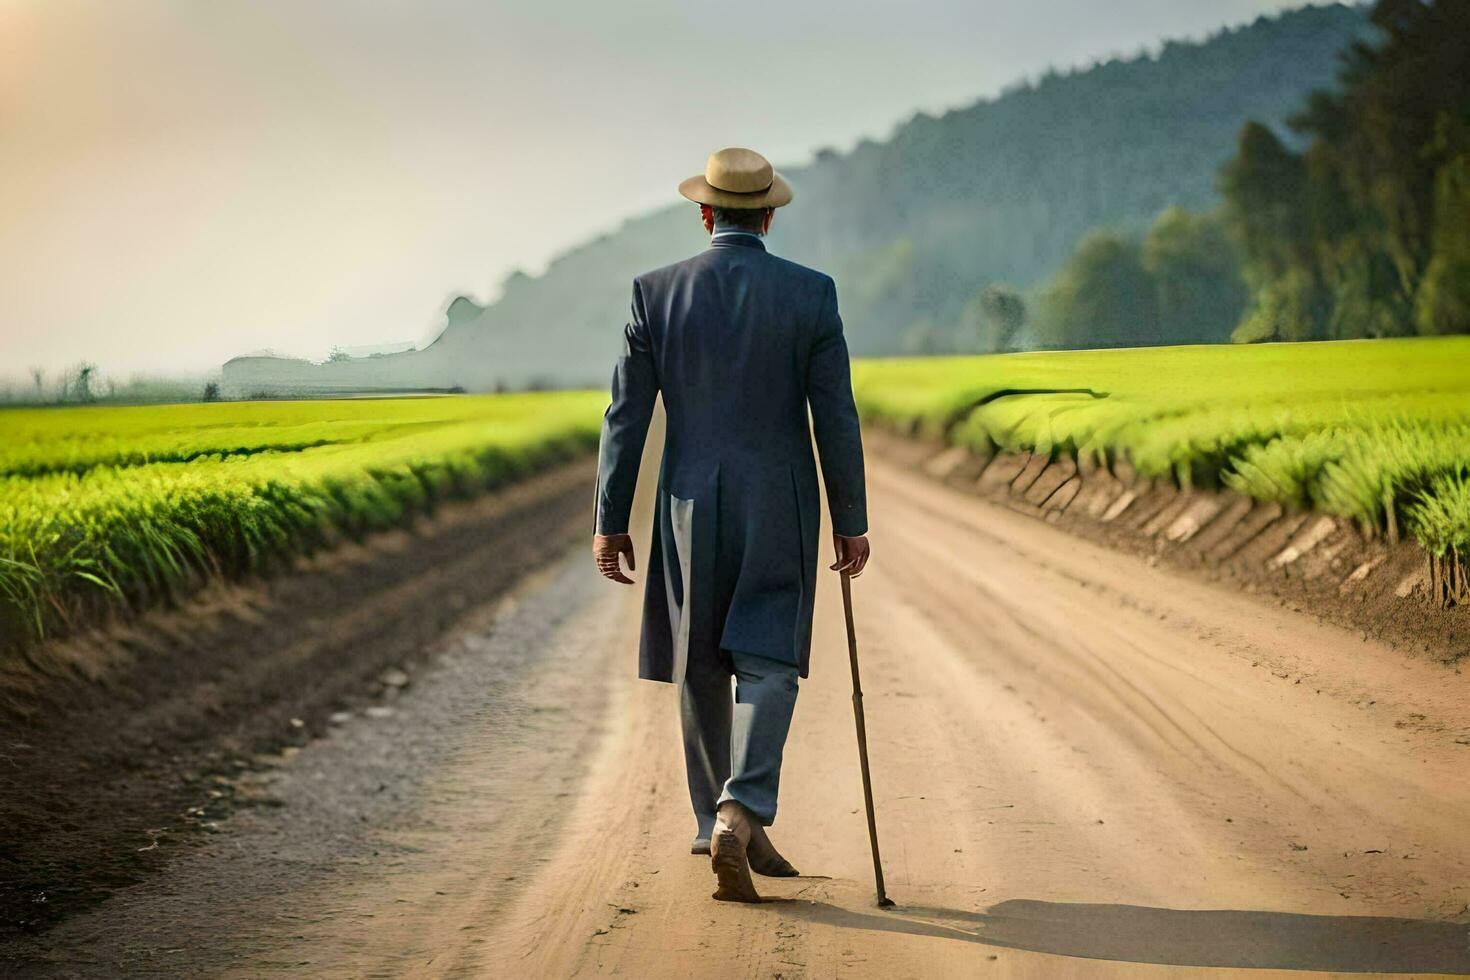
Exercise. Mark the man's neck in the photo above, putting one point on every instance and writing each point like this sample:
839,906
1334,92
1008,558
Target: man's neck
722,229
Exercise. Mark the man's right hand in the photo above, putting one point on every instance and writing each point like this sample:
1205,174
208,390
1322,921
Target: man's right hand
605,550
852,554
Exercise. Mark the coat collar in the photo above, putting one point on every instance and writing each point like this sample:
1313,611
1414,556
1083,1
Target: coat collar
737,241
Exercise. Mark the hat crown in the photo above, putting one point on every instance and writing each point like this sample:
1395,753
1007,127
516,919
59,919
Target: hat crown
738,171
737,178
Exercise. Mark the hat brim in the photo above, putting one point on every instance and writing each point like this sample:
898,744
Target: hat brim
701,191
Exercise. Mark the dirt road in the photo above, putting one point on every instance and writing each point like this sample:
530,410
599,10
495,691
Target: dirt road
1083,766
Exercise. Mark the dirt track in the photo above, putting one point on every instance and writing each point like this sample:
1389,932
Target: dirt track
1078,758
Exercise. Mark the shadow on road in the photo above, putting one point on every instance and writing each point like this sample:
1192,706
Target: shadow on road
1178,937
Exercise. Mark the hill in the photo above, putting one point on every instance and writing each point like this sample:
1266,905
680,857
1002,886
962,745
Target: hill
916,226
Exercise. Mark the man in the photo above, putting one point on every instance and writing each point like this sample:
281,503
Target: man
740,343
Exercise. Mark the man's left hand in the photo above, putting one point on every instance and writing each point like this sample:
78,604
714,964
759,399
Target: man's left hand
852,554
606,548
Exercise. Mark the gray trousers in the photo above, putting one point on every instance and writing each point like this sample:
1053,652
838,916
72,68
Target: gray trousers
733,745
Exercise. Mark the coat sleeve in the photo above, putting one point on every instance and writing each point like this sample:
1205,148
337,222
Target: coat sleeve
835,421
625,424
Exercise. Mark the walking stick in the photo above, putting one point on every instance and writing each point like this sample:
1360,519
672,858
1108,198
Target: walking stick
862,739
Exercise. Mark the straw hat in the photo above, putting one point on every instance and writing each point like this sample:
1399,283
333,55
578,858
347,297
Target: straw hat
737,178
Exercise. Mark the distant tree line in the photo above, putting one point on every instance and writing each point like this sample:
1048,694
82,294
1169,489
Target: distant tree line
79,384
1181,284
83,383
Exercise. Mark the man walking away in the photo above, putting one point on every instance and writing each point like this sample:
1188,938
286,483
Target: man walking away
741,344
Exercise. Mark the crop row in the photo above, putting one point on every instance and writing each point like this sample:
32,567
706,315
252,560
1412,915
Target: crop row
1377,431
118,508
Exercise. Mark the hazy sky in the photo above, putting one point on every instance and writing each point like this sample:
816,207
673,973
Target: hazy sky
184,181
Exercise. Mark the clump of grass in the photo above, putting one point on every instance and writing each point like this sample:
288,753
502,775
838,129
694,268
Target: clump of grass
1440,518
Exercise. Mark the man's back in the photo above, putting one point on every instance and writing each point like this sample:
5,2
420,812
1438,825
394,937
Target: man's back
732,334
741,344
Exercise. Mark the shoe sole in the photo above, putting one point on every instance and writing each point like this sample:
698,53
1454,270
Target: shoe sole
732,870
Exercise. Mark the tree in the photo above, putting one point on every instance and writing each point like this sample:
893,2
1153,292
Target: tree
1361,234
211,391
1195,267
1103,297
1443,300
1266,211
999,315
1382,125
81,385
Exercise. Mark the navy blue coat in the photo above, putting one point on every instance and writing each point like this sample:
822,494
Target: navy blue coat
739,343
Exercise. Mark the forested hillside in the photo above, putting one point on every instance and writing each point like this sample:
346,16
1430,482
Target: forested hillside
916,227
1356,228
1365,232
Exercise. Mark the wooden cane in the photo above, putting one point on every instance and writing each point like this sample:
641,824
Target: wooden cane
862,739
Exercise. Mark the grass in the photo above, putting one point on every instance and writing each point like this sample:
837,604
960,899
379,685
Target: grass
1377,430
116,508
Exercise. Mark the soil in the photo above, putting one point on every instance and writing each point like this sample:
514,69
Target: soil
125,746
1085,763
1377,589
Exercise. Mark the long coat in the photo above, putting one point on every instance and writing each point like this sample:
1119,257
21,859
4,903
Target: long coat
739,343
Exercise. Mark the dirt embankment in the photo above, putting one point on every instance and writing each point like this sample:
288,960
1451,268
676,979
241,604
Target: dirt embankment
122,746
1311,563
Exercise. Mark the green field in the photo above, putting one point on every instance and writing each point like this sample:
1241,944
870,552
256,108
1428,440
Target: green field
1375,430
118,507
108,508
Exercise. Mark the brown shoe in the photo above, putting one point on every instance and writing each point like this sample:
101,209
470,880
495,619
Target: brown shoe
728,857
764,858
